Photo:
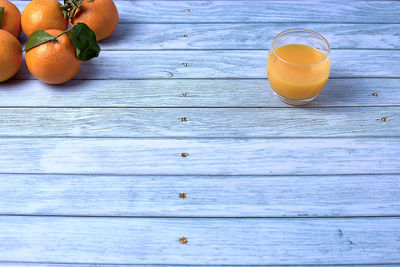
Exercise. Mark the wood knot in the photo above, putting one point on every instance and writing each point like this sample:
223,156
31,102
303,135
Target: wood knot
183,240
384,119
182,195
184,119
340,232
184,155
170,74
375,94
186,64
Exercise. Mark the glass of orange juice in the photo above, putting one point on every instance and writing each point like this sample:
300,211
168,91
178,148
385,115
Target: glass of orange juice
298,65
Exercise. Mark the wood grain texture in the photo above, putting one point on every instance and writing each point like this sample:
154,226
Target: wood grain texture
222,64
255,11
206,196
204,156
338,163
211,122
198,93
244,36
210,241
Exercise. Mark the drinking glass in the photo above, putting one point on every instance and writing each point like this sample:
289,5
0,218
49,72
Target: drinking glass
298,65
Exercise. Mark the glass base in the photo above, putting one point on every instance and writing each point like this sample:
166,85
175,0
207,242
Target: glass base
295,102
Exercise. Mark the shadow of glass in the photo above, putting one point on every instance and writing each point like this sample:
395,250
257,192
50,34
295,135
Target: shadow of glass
341,91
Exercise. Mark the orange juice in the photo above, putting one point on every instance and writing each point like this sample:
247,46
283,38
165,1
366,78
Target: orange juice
297,71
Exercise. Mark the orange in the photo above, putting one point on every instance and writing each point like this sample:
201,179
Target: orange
53,62
43,15
100,15
11,18
11,55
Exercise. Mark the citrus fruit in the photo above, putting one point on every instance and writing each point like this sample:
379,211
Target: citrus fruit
11,55
54,62
100,15
11,18
43,15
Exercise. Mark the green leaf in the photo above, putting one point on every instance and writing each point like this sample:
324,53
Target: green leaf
65,13
75,5
69,8
1,15
38,38
65,9
84,39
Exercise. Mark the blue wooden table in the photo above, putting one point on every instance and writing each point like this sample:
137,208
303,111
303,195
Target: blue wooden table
170,148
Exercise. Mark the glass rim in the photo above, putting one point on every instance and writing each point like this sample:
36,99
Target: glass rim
301,30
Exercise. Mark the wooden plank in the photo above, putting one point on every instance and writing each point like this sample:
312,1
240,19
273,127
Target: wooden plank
223,64
203,156
225,122
255,11
189,93
244,36
210,241
206,196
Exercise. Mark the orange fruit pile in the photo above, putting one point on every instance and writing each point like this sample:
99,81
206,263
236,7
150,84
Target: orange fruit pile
11,50
54,60
42,15
11,18
11,58
100,15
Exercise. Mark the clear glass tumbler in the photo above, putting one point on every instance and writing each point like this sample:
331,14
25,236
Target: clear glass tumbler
298,65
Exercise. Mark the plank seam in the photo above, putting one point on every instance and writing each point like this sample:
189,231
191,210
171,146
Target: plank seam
202,217
234,49
198,107
199,138
212,78
197,265
260,22
196,175
33,137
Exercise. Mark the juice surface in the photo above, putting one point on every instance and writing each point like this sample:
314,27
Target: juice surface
293,80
